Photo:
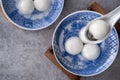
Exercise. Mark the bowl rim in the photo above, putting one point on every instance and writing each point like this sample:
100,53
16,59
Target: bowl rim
30,29
54,49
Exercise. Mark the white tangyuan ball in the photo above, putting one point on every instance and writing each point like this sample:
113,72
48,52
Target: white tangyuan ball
99,29
42,5
74,45
26,6
91,51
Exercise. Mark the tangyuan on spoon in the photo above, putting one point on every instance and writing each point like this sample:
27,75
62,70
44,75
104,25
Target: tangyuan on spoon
98,30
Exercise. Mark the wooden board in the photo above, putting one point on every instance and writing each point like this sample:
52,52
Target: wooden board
49,53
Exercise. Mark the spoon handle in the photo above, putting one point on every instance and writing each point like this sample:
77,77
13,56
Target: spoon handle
113,16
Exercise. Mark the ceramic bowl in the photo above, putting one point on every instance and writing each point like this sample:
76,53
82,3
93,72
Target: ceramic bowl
77,64
34,21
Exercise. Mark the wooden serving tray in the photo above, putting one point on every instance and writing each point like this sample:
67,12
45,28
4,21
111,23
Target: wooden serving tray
49,53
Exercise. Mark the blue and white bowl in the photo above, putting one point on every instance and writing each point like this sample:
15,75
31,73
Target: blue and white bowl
77,64
35,21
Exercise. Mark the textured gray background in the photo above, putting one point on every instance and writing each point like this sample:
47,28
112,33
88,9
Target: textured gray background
22,52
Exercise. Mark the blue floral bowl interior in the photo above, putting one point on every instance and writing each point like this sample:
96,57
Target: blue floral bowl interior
77,64
35,21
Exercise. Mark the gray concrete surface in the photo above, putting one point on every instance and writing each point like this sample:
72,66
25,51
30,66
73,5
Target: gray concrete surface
22,52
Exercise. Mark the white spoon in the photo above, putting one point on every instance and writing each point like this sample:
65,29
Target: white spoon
110,18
